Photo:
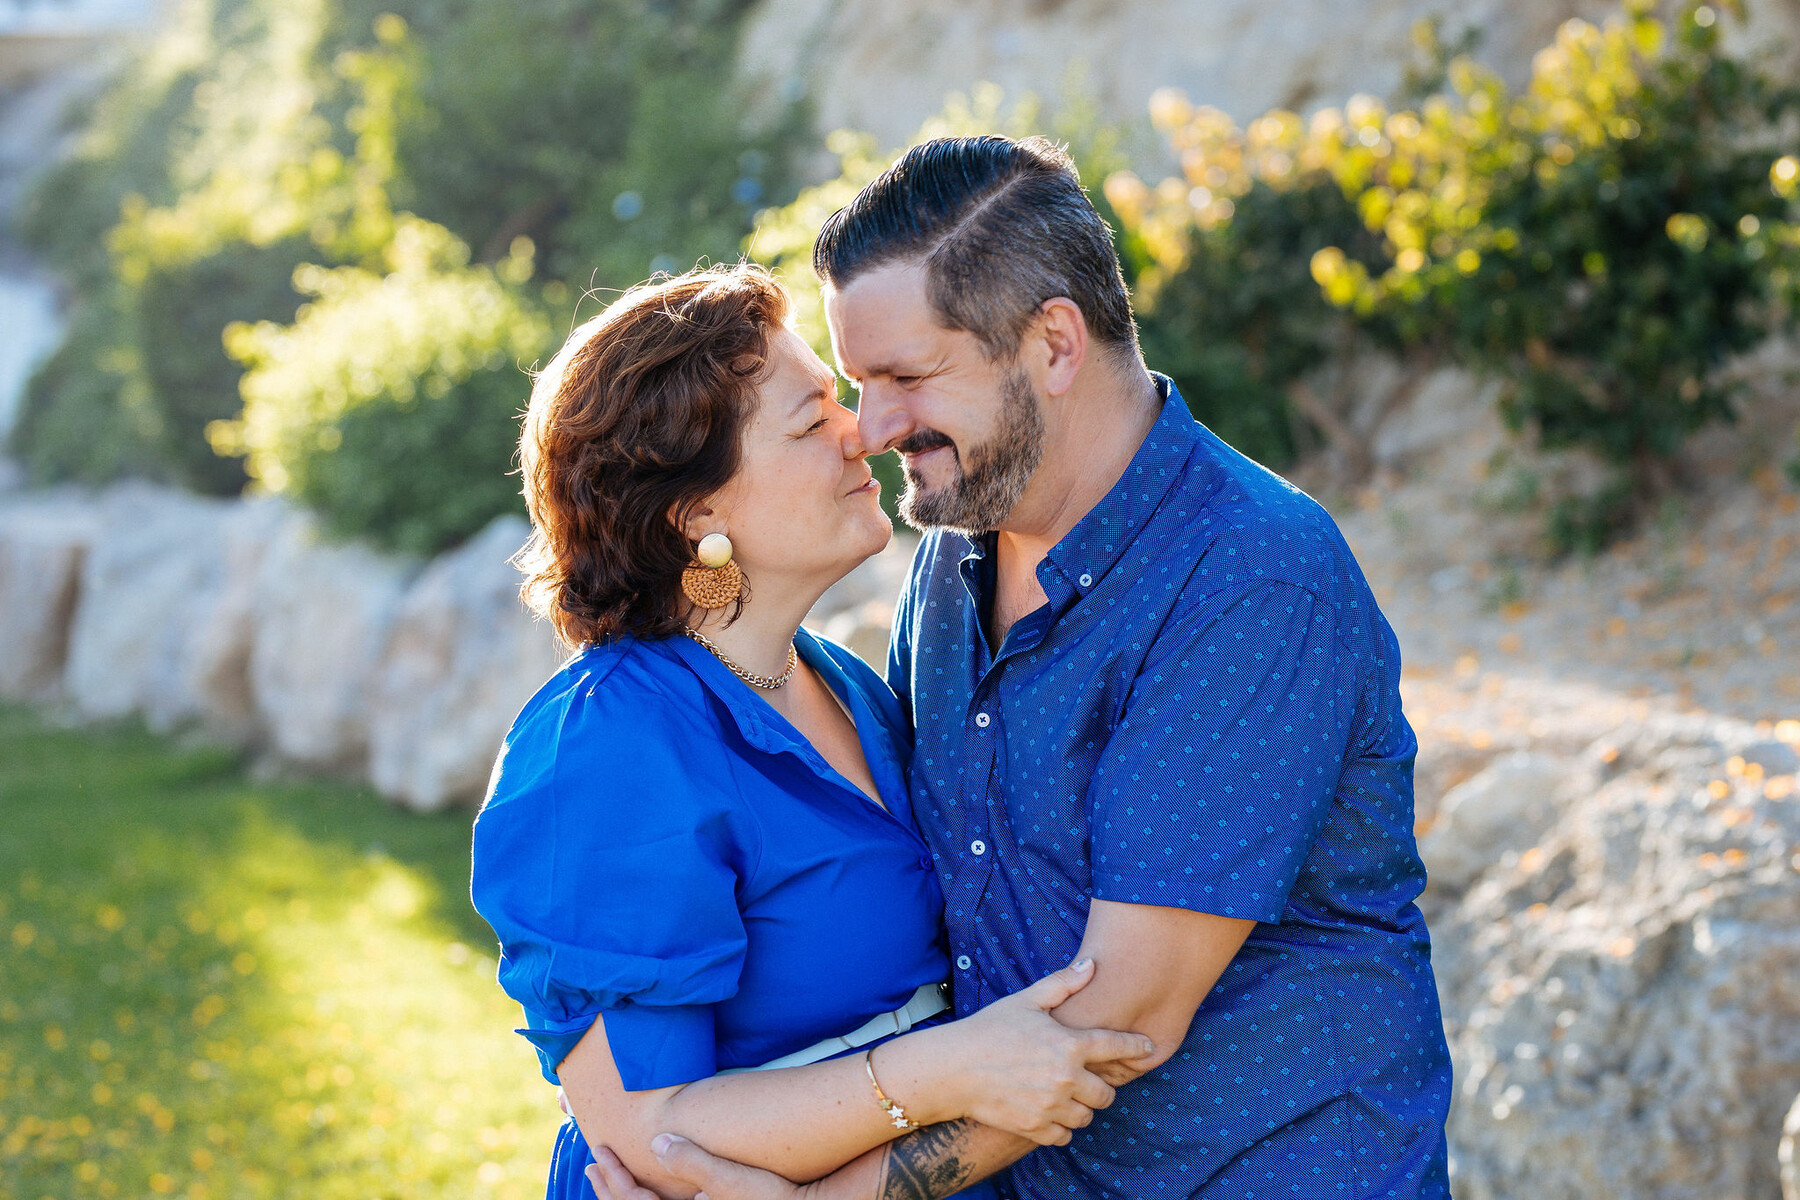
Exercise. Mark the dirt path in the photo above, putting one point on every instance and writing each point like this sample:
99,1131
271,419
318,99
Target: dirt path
1695,618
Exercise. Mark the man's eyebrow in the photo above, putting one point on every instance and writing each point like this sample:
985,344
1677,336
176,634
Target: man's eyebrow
893,369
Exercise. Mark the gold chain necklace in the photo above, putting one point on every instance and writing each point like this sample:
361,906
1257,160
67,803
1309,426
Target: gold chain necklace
766,682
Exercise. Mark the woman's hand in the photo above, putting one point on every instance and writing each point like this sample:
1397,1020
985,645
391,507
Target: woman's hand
1013,1066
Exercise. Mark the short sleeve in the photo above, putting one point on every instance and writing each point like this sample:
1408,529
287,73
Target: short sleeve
1225,763
607,862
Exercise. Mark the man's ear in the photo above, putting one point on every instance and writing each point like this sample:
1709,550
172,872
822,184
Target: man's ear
1063,333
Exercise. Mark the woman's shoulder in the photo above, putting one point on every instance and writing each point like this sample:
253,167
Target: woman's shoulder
627,682
616,712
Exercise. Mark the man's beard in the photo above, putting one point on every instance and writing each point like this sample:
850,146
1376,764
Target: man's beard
989,484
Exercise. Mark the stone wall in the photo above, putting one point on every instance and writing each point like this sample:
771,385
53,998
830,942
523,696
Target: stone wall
238,621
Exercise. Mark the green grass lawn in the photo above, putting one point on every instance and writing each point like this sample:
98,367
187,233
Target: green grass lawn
216,988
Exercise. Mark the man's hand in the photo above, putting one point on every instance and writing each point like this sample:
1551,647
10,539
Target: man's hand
1016,1068
715,1178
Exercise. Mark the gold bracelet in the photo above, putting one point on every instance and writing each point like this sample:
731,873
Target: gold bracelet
895,1113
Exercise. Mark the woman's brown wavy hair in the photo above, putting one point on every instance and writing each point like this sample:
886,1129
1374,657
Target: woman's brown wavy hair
635,422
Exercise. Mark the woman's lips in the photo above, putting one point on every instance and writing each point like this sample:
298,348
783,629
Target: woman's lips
871,484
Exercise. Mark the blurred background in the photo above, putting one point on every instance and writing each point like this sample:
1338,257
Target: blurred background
1509,286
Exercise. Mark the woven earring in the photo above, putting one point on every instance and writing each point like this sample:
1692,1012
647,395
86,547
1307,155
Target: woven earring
715,581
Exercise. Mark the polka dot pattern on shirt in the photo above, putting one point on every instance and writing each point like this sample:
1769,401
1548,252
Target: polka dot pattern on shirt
1204,715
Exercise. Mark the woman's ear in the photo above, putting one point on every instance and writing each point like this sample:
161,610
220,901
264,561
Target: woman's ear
699,520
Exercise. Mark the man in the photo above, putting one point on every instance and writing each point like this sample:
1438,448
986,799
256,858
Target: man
1158,722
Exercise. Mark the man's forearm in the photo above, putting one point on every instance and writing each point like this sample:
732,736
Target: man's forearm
929,1164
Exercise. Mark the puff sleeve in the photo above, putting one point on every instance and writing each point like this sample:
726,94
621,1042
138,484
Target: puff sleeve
607,859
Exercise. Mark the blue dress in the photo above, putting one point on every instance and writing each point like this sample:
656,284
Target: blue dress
660,849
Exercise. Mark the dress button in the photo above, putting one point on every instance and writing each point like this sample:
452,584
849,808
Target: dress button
982,719
963,962
1086,581
978,847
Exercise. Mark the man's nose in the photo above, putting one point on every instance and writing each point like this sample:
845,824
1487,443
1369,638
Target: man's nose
882,418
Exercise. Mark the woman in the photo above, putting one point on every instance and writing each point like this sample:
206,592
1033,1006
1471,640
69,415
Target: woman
697,849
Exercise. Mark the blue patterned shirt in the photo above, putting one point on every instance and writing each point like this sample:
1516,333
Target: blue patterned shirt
1206,715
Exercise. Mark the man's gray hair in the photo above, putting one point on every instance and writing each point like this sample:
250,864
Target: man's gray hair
999,225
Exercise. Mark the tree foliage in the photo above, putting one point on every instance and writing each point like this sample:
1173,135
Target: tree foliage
256,143
1604,240
391,403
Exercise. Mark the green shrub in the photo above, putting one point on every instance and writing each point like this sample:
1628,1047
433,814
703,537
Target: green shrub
1239,323
202,205
1620,251
391,404
618,151
84,418
1603,241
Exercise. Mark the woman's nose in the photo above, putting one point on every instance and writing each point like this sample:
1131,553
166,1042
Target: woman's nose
851,437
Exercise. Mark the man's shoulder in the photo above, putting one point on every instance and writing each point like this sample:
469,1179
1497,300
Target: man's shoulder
1243,524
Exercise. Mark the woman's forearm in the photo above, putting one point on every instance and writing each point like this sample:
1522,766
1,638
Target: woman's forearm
1012,1066
800,1122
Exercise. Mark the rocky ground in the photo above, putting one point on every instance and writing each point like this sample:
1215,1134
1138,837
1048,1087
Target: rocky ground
1608,807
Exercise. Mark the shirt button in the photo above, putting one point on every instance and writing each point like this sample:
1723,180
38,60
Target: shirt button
963,962
982,719
978,847
1086,581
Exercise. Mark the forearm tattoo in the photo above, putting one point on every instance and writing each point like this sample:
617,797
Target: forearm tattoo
929,1164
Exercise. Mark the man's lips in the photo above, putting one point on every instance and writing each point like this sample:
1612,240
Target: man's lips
923,443
912,459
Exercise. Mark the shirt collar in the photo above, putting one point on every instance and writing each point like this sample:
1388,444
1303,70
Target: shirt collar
1097,542
754,716
755,719
761,726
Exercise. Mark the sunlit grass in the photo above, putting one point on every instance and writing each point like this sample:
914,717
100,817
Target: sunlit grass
213,988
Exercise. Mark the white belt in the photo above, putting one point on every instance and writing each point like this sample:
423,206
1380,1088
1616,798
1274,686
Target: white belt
928,1001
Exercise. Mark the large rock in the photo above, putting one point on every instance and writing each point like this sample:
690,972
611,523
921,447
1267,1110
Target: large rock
463,656
323,614
1503,809
44,541
885,67
1623,1001
163,629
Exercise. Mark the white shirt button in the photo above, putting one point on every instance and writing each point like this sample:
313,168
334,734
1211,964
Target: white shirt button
978,847
982,719
1086,581
963,962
